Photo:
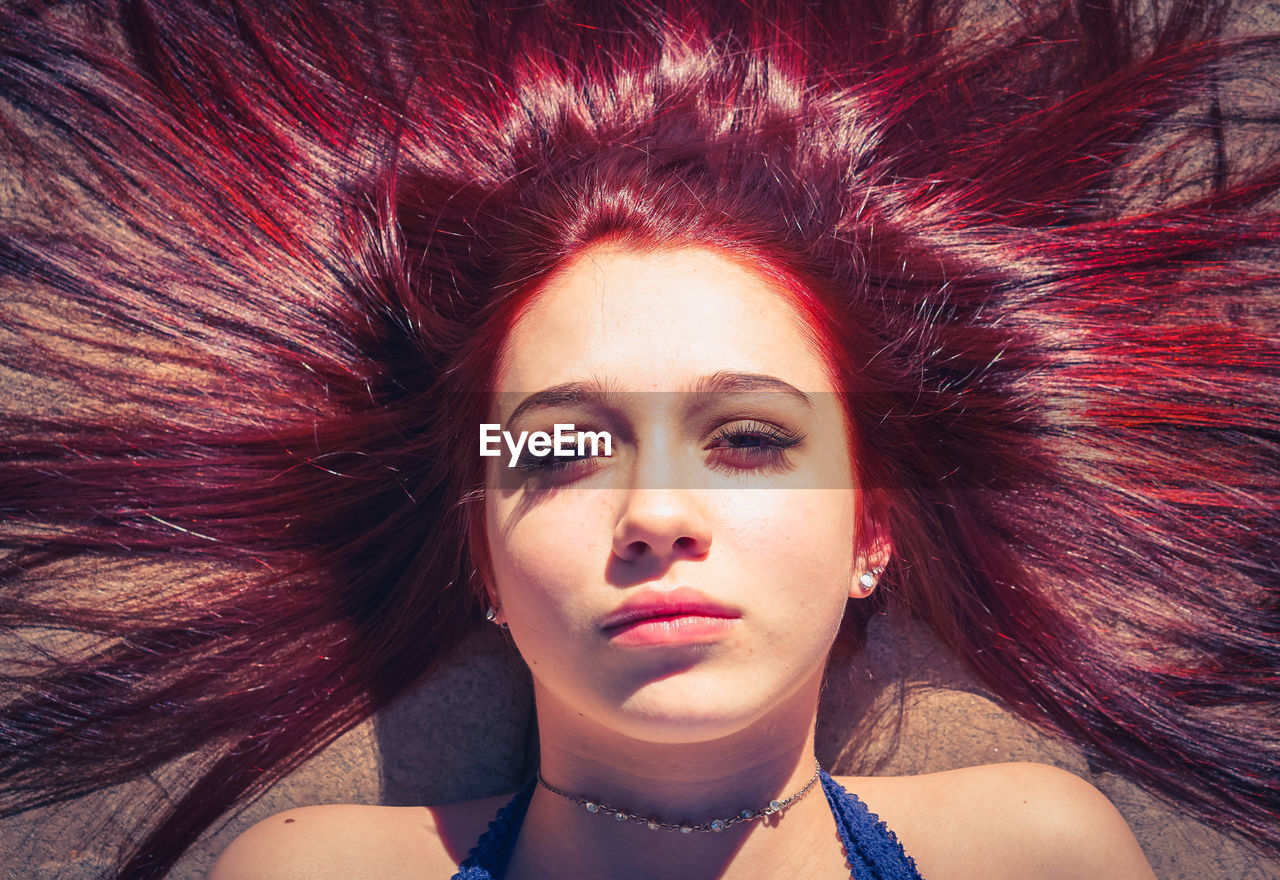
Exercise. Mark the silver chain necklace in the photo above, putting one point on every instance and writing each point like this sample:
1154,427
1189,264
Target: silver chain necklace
655,824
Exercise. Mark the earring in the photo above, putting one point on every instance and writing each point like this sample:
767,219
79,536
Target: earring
868,578
492,616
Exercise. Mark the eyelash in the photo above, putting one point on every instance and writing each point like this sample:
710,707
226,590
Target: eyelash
767,449
549,464
552,466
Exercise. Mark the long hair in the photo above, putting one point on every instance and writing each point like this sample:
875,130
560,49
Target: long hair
264,264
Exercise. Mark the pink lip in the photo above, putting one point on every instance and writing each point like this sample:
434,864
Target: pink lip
680,616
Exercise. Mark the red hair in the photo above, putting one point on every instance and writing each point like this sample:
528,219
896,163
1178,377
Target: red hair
287,242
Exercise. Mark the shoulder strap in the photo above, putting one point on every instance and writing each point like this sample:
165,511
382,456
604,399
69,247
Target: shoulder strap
873,851
490,856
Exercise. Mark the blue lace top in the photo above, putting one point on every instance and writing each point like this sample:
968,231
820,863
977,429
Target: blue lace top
872,850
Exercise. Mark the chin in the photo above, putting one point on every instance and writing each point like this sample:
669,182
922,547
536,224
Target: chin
690,703
679,710
681,728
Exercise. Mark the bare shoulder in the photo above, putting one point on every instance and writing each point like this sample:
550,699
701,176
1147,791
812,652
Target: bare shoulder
356,842
1016,820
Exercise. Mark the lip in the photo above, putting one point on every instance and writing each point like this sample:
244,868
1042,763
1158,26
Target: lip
664,617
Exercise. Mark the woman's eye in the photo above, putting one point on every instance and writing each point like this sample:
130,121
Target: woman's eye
561,467
529,462
752,445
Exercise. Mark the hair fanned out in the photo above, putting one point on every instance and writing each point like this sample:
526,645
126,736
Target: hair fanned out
255,274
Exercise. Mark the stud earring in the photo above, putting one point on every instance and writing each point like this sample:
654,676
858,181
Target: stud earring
492,616
868,578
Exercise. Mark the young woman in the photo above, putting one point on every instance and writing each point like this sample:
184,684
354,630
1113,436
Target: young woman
676,602
961,316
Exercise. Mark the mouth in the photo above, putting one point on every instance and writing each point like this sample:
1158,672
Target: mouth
680,616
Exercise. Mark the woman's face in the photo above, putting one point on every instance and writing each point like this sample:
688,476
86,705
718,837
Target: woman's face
684,586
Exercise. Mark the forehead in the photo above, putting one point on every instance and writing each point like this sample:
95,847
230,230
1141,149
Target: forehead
657,321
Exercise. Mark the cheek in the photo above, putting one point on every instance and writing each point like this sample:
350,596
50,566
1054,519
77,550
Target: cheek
803,537
540,552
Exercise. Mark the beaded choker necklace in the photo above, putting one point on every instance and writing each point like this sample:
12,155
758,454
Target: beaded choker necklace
656,824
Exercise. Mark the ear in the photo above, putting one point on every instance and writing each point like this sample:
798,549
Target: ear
493,604
481,580
869,565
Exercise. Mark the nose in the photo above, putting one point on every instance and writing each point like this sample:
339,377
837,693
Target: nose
664,524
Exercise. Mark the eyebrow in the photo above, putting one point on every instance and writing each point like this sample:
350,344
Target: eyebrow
595,392
726,382
567,394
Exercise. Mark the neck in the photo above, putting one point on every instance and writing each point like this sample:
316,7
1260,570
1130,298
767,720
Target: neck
678,783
